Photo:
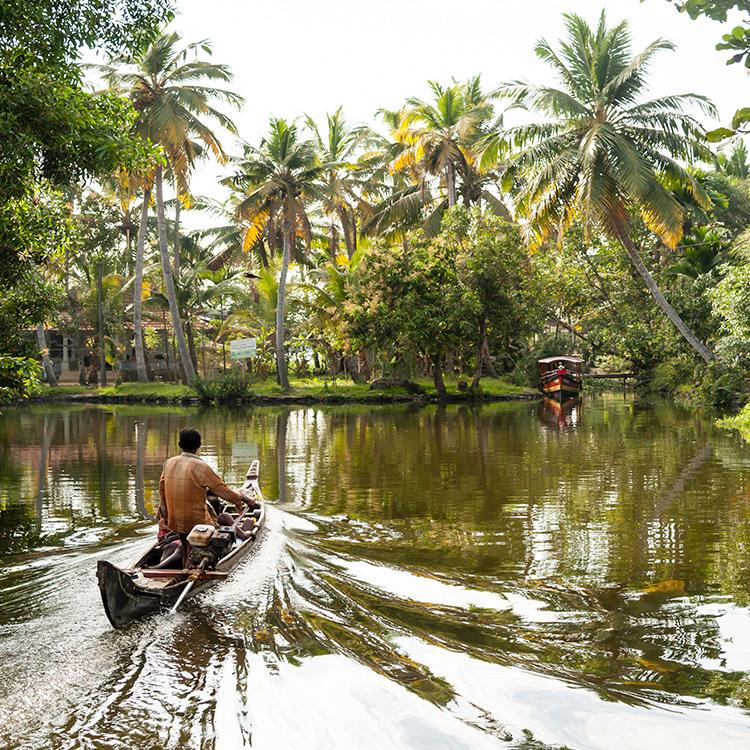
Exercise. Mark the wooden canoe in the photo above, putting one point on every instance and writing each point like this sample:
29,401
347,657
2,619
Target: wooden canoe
143,589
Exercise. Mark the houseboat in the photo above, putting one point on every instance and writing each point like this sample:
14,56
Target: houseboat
561,376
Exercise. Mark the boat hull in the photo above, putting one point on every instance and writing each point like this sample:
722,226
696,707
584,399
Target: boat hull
562,387
123,600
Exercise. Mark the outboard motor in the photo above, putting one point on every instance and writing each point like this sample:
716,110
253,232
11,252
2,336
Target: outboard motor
209,545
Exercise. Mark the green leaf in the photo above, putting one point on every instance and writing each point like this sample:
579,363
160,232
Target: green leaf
714,136
741,116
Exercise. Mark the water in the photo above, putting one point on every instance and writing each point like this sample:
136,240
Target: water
501,577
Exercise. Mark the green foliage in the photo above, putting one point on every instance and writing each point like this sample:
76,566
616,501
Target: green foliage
407,302
737,41
230,386
607,150
54,134
55,30
724,382
19,378
29,300
735,164
730,299
446,293
667,376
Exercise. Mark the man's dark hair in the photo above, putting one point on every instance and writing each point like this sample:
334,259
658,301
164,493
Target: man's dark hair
190,440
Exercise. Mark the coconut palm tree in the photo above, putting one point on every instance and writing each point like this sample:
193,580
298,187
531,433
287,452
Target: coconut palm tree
339,184
437,139
440,134
171,90
278,180
703,250
603,152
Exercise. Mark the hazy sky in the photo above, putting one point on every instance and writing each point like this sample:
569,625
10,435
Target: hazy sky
291,57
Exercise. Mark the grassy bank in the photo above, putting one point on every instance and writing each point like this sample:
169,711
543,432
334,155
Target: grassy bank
301,391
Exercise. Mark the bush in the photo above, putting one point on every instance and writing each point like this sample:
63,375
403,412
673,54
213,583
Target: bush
667,376
229,386
19,378
724,381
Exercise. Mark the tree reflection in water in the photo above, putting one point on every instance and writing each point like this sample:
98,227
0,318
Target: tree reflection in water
613,556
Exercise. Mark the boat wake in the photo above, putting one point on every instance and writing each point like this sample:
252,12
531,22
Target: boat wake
323,639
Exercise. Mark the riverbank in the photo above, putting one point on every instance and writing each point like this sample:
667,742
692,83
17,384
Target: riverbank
301,392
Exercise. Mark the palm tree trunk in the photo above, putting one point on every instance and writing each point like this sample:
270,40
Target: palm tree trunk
176,251
49,369
140,354
348,224
480,355
188,371
282,374
191,341
666,308
334,242
437,375
450,184
100,323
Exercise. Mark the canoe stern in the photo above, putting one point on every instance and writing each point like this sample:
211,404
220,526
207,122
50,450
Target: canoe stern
123,600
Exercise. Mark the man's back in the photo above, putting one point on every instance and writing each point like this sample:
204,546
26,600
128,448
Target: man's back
183,484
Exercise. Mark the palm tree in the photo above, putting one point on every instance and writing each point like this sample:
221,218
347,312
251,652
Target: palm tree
437,139
603,152
703,250
736,164
278,179
440,134
169,89
336,148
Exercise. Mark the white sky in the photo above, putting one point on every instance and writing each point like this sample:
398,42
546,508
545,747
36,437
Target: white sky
291,57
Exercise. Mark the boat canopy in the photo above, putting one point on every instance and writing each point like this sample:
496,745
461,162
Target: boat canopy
552,360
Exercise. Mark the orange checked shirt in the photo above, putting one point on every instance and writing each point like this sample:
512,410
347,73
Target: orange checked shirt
182,487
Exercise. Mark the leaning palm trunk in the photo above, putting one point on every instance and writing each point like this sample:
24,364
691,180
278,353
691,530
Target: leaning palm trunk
666,308
188,371
281,368
41,340
140,354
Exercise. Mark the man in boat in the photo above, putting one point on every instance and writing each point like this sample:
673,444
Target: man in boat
184,482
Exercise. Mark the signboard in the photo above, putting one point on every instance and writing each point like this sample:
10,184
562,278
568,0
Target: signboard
242,348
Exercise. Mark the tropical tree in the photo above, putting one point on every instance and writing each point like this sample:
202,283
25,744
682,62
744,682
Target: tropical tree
436,140
170,89
278,180
440,133
603,152
703,250
339,183
736,163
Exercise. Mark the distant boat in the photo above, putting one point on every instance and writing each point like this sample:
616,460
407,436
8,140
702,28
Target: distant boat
561,376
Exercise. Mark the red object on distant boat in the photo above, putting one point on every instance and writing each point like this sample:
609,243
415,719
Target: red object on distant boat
561,376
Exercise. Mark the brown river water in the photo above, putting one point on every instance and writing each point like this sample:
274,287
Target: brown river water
441,577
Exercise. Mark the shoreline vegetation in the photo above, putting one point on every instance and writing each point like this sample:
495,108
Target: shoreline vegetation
430,240
308,391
